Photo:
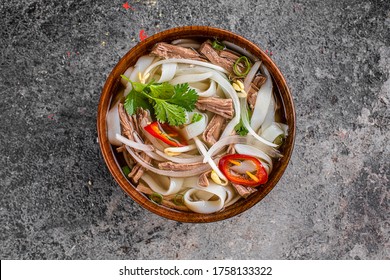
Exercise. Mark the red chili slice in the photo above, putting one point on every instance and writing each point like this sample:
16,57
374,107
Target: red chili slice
166,133
249,178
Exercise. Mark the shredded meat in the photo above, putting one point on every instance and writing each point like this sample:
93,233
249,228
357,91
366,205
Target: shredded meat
225,59
244,191
203,179
168,165
220,106
256,84
130,126
165,50
214,129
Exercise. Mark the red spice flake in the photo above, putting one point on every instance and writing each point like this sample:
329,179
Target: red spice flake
68,54
127,6
142,35
50,117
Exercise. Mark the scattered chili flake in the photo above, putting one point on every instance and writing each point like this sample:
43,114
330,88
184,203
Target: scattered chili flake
142,35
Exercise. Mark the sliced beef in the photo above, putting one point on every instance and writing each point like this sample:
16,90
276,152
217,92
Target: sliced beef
203,179
225,59
168,165
244,191
165,50
214,129
220,106
256,84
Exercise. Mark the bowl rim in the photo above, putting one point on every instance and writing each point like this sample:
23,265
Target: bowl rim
112,82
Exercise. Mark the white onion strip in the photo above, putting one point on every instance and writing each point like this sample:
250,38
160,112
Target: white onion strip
245,122
177,159
249,150
169,173
263,101
180,149
239,49
237,139
203,151
132,144
250,76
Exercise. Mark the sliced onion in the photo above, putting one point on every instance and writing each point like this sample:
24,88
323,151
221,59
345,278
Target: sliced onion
163,186
252,151
250,76
180,149
186,61
181,41
263,100
189,45
232,195
133,144
269,118
169,173
168,71
239,49
203,151
191,130
237,139
245,122
272,132
191,78
246,165
113,125
180,159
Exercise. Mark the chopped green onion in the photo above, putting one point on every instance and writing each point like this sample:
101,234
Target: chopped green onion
279,140
218,45
179,199
126,170
247,65
196,117
156,198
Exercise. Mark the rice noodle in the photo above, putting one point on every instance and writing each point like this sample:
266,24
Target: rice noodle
272,132
168,71
163,186
181,159
182,41
185,61
210,91
191,78
127,74
113,125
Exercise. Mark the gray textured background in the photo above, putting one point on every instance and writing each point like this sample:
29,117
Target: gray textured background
58,200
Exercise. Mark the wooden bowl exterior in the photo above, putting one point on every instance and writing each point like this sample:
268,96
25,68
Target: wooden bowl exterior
130,59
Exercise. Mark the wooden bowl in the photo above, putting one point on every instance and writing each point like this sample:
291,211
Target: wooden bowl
111,86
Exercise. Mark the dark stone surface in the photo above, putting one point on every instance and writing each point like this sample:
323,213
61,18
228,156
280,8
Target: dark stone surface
58,200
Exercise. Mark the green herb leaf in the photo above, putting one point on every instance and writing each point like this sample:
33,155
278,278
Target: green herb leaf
196,117
173,114
135,100
162,91
184,97
241,129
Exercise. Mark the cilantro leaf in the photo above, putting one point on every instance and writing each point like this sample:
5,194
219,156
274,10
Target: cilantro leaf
196,117
162,91
241,129
135,100
184,97
171,113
